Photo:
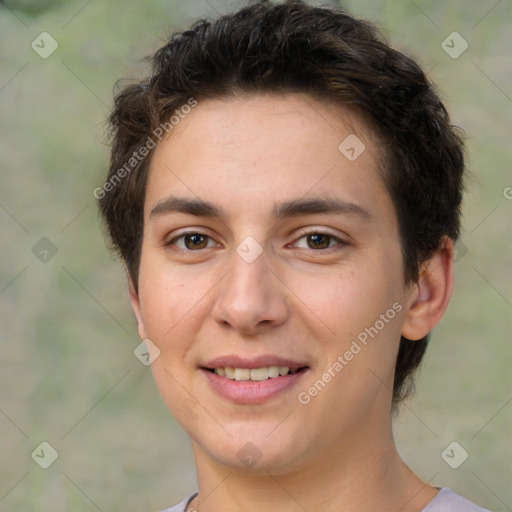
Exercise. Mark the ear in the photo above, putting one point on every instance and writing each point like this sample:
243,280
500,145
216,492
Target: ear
430,296
135,302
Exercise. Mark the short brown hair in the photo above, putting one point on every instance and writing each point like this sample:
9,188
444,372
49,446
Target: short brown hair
330,55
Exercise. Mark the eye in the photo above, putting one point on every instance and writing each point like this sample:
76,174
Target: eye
318,240
191,241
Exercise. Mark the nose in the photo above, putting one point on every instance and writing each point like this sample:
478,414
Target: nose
251,298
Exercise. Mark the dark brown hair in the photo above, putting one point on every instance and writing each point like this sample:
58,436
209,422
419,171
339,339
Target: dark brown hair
333,57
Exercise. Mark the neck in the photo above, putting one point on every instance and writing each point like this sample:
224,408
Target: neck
363,474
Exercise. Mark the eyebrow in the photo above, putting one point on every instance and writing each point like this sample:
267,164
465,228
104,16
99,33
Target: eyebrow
293,208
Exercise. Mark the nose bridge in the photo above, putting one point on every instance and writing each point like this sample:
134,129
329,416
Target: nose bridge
250,268
250,296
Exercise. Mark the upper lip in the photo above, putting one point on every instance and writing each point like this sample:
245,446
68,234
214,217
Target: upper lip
233,361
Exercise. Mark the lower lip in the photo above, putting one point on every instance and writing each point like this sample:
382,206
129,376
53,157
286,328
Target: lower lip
250,391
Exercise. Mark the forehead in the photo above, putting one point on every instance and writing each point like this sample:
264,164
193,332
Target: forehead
247,152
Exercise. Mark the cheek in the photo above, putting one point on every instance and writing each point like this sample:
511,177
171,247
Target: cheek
344,302
171,302
357,313
361,313
173,305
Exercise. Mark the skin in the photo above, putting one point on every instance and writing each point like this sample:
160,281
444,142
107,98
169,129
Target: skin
246,154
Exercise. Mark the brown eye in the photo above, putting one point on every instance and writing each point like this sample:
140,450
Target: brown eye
195,241
318,241
191,241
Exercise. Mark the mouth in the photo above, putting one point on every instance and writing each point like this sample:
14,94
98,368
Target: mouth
255,374
254,381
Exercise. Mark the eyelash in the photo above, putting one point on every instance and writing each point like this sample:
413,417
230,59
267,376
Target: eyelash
303,234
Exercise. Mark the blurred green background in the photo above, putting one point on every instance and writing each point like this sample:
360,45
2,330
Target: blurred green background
68,373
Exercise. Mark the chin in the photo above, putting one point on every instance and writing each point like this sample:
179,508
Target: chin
251,448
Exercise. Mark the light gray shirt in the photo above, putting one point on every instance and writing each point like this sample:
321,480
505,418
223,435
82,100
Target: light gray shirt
445,501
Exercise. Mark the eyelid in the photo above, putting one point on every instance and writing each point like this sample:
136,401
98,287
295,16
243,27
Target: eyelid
176,236
320,231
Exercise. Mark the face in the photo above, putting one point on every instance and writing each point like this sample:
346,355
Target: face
268,250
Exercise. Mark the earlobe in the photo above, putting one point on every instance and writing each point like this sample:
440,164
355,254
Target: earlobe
135,302
431,294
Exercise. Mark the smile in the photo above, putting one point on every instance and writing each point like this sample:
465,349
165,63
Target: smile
256,374
255,381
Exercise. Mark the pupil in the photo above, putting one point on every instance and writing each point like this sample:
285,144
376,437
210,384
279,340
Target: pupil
319,240
196,240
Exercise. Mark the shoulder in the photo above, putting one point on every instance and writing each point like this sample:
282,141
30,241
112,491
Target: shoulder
182,505
447,501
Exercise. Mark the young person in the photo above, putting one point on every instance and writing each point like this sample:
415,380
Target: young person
285,192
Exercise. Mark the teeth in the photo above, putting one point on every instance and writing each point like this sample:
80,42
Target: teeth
264,373
242,374
259,374
273,371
